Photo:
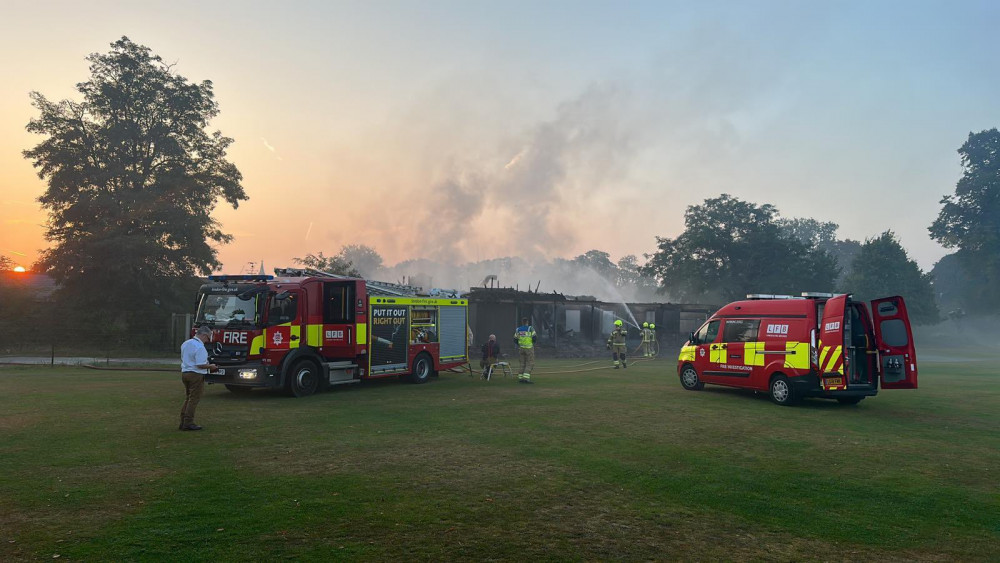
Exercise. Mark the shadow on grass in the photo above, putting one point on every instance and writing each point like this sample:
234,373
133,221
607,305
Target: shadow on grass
811,403
270,394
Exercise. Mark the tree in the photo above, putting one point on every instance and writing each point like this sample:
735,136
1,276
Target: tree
630,274
132,179
365,259
823,236
730,248
883,268
329,264
953,285
6,264
598,261
970,219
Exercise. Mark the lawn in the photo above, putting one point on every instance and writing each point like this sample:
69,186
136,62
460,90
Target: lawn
597,464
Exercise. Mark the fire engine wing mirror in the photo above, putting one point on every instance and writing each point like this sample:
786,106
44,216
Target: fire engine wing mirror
691,338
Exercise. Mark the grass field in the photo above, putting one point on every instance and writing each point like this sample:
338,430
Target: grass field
588,465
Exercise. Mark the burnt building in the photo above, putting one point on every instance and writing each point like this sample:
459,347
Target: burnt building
575,325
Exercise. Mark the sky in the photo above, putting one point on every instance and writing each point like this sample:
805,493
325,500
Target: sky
465,130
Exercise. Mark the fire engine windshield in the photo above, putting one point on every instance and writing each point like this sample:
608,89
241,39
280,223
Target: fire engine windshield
225,310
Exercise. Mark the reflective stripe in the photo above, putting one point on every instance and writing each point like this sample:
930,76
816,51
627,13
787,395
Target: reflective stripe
717,356
314,335
753,353
798,357
687,354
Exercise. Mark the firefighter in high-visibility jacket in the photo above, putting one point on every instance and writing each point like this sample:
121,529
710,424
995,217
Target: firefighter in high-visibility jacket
654,346
524,335
616,343
646,352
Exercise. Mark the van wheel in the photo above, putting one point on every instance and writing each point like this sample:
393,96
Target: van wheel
849,400
690,379
421,369
303,379
782,392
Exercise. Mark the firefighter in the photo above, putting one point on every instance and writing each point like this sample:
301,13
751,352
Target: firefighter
644,333
524,335
616,343
654,346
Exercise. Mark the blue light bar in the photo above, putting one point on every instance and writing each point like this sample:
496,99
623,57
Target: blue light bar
245,277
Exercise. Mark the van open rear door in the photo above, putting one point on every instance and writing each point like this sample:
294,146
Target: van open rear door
897,360
830,359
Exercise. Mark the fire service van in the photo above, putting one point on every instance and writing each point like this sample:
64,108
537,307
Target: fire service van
817,345
304,330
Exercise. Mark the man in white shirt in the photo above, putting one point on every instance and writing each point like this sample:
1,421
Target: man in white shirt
194,366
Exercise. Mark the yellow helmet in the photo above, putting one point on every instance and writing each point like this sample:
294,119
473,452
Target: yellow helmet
651,325
618,322
645,325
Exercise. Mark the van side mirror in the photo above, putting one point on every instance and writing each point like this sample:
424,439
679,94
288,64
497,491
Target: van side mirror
691,339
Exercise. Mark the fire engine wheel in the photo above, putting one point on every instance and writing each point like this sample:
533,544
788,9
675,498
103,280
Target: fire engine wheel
303,379
422,368
782,392
690,379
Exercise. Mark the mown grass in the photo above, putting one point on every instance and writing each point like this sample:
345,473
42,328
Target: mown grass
588,465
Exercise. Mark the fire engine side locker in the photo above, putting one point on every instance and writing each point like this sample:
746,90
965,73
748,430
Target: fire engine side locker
388,337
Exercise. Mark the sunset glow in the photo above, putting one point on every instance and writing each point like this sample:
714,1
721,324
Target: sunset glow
474,132
19,269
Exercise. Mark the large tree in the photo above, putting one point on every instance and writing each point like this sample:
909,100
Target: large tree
133,175
730,248
329,264
365,259
883,268
600,262
823,236
969,220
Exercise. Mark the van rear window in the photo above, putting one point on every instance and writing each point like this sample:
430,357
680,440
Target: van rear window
740,331
894,333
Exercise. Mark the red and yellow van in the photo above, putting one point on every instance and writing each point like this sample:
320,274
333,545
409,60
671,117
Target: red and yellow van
817,345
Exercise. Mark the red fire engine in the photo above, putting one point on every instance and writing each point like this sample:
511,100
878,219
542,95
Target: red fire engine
306,330
817,345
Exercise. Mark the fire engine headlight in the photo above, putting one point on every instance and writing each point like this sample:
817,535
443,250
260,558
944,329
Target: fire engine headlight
248,374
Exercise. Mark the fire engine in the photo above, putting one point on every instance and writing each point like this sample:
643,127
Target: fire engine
304,330
816,345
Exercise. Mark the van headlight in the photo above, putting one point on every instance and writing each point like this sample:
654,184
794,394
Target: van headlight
248,374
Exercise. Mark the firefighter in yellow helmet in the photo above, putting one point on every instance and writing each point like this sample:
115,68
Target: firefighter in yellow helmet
524,335
654,346
616,343
644,333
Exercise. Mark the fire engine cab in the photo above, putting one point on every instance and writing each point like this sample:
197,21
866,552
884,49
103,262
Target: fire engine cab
816,345
305,330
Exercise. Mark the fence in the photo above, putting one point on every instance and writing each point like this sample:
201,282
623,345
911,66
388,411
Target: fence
45,334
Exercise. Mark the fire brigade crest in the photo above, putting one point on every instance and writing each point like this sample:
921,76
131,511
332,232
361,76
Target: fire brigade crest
701,352
277,339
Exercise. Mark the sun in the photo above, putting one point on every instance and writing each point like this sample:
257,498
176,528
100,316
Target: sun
19,269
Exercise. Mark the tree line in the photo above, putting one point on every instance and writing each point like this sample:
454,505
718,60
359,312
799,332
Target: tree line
133,173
